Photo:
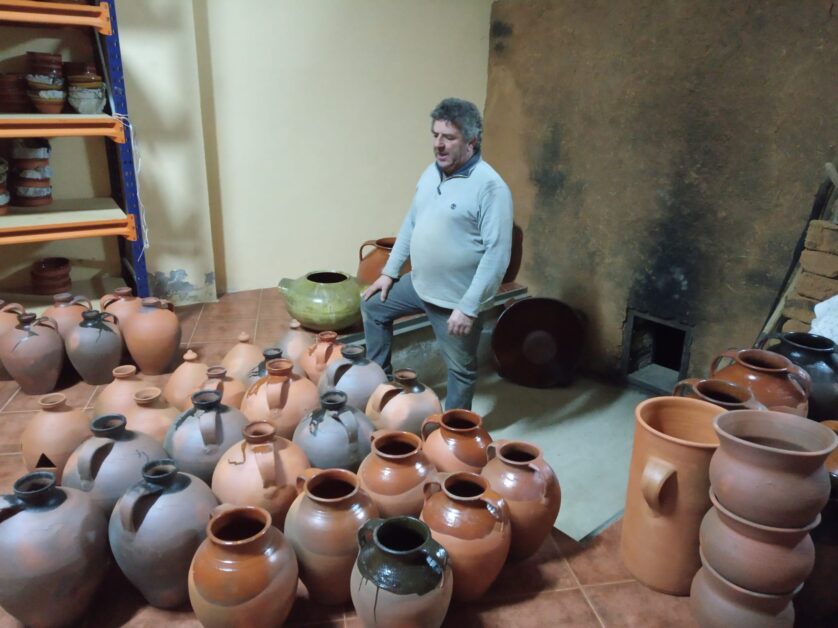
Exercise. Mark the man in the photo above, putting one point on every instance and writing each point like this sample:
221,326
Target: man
458,236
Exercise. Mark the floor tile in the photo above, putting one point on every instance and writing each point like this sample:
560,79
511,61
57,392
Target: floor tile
597,560
273,308
211,353
272,294
189,313
210,330
11,427
268,331
551,608
632,604
7,391
546,570
306,613
77,395
241,296
11,468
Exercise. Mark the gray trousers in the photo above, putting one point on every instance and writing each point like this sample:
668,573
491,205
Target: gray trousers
459,352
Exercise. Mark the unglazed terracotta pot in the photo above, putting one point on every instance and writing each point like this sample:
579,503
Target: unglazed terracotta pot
94,347
323,299
150,413
322,526
402,576
395,472
318,356
668,491
54,543
53,434
471,522
456,441
817,604
155,529
261,470
109,463
121,303
371,264
66,311
353,374
774,381
184,381
152,335
242,358
719,392
295,342
33,353
281,398
336,435
244,573
8,320
404,405
118,396
232,390
770,467
261,370
517,472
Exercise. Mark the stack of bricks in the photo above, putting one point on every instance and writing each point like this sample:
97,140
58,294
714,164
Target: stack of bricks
818,279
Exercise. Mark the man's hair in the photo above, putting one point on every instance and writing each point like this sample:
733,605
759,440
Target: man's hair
464,115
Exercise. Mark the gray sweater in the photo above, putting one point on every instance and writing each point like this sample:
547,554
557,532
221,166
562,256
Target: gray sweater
458,235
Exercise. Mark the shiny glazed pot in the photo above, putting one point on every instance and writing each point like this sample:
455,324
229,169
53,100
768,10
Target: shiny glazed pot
456,441
371,264
323,299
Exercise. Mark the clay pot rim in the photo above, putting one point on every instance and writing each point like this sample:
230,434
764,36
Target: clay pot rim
521,445
334,400
147,394
254,513
465,476
764,596
396,435
342,475
829,345
765,356
216,371
124,291
279,367
735,390
387,242
758,526
109,425
353,352
259,432
34,485
803,424
124,371
404,521
327,336
458,413
308,277
405,376
167,465
52,400
674,439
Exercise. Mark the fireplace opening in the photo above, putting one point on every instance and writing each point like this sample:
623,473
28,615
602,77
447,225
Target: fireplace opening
655,352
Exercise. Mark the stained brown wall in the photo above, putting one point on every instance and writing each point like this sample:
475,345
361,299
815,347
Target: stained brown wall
663,155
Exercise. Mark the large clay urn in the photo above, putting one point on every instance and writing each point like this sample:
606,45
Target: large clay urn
155,529
323,300
294,342
261,370
668,491
8,320
517,472
118,396
318,356
53,434
94,347
150,413
456,441
402,576
353,374
371,264
261,470
395,472
232,390
724,394
403,405
121,303
33,353
322,526
281,398
54,543
66,311
774,381
152,335
471,522
770,467
241,358
244,573
184,381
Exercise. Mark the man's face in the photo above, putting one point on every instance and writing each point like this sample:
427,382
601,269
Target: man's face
450,149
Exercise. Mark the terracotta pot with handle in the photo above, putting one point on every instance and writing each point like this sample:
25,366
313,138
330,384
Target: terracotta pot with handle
8,320
66,311
724,394
150,413
281,398
354,375
94,347
319,355
152,335
33,353
371,264
456,441
232,390
261,370
402,405
121,303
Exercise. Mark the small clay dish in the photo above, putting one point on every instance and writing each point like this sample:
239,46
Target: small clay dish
49,106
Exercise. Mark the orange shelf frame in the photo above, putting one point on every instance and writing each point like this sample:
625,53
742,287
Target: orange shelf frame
61,125
57,14
68,219
124,227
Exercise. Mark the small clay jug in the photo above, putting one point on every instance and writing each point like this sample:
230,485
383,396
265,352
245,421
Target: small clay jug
261,370
456,441
719,392
295,342
261,470
244,573
353,374
94,347
402,576
371,264
184,381
53,434
769,468
336,435
152,335
200,436
241,358
232,390
150,413
33,353
395,472
155,529
403,405
118,396
322,526
54,543
8,320
121,303
774,381
471,522
109,463
281,398
318,356
66,311
517,472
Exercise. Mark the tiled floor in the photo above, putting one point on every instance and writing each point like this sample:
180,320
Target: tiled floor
565,583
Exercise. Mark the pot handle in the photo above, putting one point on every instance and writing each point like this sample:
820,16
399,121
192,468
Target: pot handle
764,338
496,507
266,462
277,392
361,250
655,474
801,378
678,391
389,395
432,488
112,316
366,531
80,300
435,556
305,476
492,448
46,321
9,507
17,308
429,425
128,503
107,299
167,305
208,425
92,453
727,353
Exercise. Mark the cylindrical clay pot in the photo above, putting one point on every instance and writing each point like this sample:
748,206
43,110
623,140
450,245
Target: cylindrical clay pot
456,441
403,405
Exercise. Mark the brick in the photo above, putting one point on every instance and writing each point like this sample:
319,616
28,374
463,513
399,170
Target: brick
793,325
816,287
800,308
822,236
820,263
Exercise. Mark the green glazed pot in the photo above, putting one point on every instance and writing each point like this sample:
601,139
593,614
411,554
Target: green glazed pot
324,300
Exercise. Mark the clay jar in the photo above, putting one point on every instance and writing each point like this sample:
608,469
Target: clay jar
200,436
33,353
150,413
394,474
336,435
261,370
109,463
8,320
241,358
322,526
186,379
118,396
353,374
53,434
281,398
668,491
232,390
371,264
294,342
152,335
719,392
402,576
66,311
261,470
774,381
155,529
404,405
456,441
54,544
121,303
244,573
770,467
755,557
318,356
323,299
94,347
471,522
517,472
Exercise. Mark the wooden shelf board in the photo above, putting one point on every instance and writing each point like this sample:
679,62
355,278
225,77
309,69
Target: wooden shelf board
92,287
57,14
65,220
22,125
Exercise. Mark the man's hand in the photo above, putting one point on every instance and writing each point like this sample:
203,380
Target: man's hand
383,283
459,324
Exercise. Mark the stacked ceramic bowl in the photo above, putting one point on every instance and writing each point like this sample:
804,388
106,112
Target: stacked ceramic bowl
87,93
13,96
45,79
4,190
768,485
31,184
